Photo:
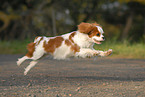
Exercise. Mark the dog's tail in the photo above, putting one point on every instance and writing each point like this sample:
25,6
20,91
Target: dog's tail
31,46
31,49
37,39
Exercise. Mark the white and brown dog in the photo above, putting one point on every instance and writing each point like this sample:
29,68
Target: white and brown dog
77,43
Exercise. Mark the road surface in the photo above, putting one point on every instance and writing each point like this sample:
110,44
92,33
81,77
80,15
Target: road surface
89,77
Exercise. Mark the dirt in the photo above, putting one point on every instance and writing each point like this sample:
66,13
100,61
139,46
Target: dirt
74,77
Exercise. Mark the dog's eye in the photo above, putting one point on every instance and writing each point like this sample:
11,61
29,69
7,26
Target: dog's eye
98,34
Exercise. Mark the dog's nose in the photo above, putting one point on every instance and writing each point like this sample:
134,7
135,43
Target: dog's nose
103,38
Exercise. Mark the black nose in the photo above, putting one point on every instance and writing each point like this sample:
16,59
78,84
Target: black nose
103,38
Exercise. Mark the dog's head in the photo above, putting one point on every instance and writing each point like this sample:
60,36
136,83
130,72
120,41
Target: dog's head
93,30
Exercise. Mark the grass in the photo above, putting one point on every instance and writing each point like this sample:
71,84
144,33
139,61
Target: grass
120,50
124,50
13,47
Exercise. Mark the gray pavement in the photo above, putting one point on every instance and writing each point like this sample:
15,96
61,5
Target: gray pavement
76,77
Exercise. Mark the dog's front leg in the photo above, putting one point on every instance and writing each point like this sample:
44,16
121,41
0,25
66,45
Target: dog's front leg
105,53
86,52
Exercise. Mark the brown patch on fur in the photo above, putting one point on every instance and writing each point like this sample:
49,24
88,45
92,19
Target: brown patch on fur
71,36
74,47
40,40
85,27
94,32
37,37
53,44
89,29
31,49
67,42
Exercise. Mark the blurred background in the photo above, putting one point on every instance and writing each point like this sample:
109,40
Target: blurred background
123,22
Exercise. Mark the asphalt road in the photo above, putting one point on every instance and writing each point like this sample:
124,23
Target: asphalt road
90,77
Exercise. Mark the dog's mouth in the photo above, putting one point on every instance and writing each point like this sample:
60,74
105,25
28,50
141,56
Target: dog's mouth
96,41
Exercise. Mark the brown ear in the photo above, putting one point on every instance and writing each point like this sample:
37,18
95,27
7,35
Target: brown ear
85,27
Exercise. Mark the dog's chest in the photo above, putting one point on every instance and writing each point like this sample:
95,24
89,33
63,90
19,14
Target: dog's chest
82,40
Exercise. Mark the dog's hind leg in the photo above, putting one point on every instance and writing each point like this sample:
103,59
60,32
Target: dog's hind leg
37,54
31,48
35,59
31,65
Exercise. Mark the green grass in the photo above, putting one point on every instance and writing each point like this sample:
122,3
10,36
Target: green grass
13,47
124,50
120,50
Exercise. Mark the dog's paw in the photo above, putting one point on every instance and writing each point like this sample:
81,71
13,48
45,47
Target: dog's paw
96,54
18,62
109,52
25,72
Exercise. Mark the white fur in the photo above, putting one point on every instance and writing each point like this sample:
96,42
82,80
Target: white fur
86,52
82,40
39,51
32,64
62,52
66,36
100,29
21,60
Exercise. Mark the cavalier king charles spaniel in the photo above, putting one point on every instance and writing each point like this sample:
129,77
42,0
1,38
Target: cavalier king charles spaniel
77,44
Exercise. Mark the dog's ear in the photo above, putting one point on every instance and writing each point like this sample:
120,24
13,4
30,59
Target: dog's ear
85,27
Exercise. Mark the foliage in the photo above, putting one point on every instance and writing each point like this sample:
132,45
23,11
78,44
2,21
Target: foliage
23,19
139,1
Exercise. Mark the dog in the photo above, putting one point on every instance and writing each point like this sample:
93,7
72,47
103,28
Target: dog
74,44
